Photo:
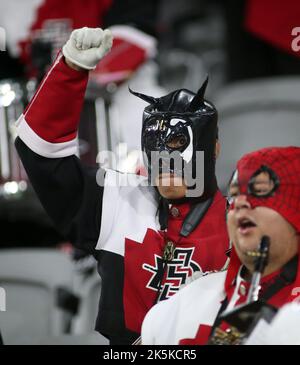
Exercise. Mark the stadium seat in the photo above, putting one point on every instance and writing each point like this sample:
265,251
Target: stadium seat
88,289
256,114
32,280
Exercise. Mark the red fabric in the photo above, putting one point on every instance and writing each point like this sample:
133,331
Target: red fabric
120,63
284,296
203,250
54,112
233,268
273,21
80,12
201,337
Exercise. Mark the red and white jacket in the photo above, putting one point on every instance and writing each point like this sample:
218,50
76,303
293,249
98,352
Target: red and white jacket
117,222
188,317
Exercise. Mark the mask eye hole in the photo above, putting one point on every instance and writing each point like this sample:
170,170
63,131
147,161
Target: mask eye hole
177,142
263,183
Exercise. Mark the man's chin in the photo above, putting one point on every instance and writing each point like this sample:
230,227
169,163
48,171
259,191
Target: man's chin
169,180
247,243
171,194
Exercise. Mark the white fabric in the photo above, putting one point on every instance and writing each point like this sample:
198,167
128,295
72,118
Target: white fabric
283,330
180,316
137,37
128,210
42,147
87,46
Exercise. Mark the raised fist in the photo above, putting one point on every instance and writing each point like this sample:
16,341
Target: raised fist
87,46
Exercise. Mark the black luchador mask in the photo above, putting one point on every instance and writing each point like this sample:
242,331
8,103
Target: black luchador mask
175,128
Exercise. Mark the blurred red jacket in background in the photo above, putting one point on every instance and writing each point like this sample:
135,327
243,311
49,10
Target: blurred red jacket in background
273,21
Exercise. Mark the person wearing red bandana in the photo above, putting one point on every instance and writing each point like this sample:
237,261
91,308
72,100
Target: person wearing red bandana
264,199
147,239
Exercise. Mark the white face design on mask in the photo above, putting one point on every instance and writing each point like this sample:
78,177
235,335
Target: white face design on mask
187,154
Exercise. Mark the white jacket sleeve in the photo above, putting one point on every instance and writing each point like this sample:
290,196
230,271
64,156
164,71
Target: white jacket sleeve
151,321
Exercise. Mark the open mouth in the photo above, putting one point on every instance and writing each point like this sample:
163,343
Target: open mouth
245,225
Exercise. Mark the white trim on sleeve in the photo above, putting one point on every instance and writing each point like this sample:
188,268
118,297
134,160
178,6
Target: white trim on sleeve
42,147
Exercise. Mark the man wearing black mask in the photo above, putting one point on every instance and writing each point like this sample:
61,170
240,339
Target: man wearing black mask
147,234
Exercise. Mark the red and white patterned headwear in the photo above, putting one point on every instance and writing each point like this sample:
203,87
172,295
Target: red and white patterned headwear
283,166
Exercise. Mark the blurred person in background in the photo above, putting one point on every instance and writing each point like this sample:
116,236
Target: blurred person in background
43,26
147,240
265,201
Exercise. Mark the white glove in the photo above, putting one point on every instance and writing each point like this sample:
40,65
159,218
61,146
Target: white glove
87,46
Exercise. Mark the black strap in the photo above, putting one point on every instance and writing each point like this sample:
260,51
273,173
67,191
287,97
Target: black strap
217,320
194,217
286,277
189,224
162,273
163,213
